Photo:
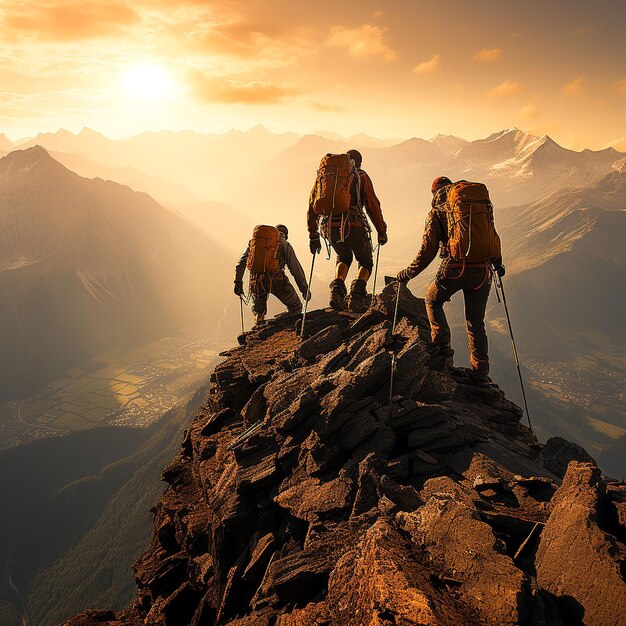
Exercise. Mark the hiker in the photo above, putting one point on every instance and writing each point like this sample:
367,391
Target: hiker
341,191
265,257
461,222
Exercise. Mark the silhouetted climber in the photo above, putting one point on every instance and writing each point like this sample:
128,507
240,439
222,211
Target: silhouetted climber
461,222
341,191
265,257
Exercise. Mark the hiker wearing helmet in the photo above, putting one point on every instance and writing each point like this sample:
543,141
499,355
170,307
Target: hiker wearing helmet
266,256
341,192
461,224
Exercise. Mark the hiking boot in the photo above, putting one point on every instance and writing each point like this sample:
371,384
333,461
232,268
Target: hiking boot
358,293
338,294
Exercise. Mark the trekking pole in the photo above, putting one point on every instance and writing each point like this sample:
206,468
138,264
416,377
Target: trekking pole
393,356
500,285
375,271
243,330
308,295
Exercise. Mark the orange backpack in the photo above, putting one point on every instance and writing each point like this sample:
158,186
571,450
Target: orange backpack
263,256
336,186
472,234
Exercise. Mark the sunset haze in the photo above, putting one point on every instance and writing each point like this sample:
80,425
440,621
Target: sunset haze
396,69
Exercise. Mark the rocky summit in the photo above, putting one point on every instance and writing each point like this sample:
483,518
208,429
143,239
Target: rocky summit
302,496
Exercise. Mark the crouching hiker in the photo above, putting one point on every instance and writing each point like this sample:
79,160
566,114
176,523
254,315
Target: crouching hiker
266,256
340,193
461,222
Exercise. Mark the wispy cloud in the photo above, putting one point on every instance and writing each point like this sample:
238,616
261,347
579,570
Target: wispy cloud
246,39
620,86
324,107
503,90
488,54
365,41
428,67
67,21
574,88
229,91
529,112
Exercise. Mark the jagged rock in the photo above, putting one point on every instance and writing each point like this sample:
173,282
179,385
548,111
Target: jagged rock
558,452
324,341
464,548
310,497
342,507
380,582
580,560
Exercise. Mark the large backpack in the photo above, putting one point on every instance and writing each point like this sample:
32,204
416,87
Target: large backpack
336,186
263,256
472,235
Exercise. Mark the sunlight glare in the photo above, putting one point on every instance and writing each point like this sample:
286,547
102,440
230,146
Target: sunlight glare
147,80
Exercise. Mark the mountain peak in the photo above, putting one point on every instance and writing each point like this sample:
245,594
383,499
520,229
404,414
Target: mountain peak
300,495
5,143
27,159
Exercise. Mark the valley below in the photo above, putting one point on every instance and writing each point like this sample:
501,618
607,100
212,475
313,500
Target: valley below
125,387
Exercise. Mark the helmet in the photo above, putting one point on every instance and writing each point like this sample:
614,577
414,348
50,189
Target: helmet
283,229
440,181
356,156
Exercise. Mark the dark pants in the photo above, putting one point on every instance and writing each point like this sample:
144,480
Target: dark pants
261,285
356,244
476,284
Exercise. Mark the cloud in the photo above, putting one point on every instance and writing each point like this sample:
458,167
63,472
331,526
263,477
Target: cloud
488,54
325,107
227,91
620,86
503,90
247,39
68,21
365,41
575,88
428,67
529,112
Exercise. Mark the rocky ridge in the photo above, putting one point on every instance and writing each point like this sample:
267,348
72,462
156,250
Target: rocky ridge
340,508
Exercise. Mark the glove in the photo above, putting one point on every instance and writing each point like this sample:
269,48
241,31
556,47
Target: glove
500,270
239,288
382,239
403,276
315,245
304,296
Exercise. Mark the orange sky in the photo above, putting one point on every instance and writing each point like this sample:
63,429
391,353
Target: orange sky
391,69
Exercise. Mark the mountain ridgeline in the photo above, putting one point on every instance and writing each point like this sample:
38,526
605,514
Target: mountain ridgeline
89,264
239,168
343,507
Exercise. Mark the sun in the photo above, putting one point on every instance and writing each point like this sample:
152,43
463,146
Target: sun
148,80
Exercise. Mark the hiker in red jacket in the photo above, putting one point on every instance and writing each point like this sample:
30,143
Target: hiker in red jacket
276,283
472,277
349,236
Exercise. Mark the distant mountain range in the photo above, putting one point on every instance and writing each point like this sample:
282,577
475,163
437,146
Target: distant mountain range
86,265
268,176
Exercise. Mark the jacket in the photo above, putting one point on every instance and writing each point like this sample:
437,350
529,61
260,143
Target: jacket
286,257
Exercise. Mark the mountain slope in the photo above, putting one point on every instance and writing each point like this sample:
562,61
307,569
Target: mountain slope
566,255
161,189
70,537
89,264
441,509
